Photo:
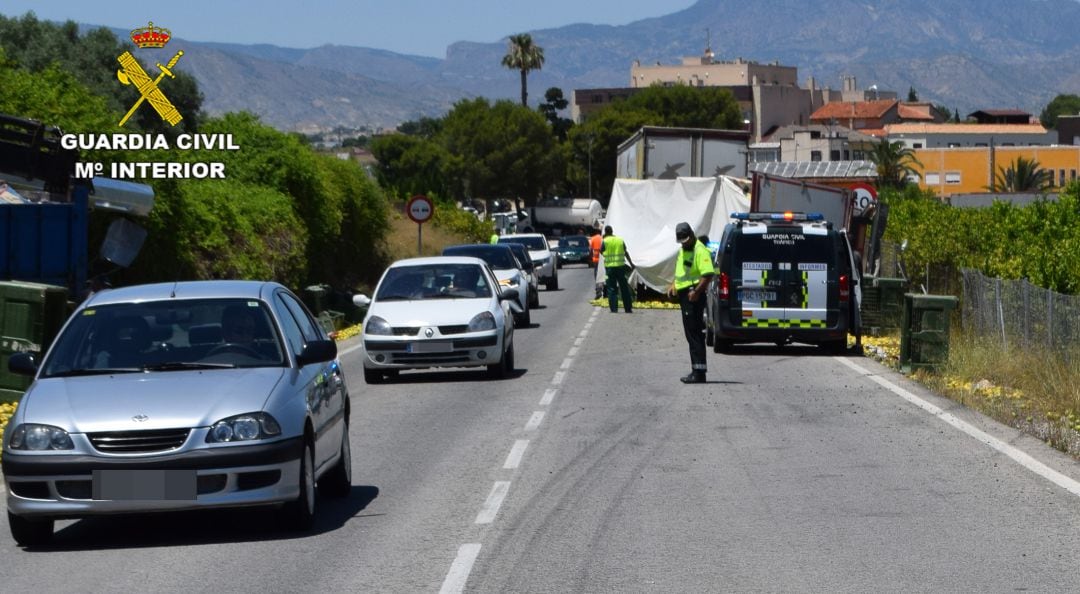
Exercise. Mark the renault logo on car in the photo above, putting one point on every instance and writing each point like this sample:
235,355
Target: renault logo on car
140,418
429,333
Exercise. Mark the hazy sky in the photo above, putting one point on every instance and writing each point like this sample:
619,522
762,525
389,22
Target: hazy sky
420,27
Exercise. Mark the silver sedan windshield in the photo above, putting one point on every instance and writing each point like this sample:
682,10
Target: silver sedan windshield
167,335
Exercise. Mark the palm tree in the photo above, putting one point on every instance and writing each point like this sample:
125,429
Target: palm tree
895,163
523,56
1023,175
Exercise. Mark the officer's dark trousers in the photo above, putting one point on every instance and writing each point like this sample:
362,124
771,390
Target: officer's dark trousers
616,284
693,313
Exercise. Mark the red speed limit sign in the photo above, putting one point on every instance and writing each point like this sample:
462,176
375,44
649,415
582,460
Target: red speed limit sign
420,208
865,195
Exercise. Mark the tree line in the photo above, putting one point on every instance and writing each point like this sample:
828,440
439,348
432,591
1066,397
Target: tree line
284,211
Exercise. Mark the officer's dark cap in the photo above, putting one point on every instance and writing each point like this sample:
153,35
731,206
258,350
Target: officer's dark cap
683,231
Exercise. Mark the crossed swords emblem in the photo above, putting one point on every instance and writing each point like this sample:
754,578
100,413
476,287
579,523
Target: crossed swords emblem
131,72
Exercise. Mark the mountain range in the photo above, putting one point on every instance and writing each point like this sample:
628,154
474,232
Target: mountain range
964,54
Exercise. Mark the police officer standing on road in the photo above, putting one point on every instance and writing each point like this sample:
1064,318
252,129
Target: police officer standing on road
693,271
617,264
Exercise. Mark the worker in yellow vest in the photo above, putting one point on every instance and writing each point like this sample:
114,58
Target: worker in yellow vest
693,272
617,265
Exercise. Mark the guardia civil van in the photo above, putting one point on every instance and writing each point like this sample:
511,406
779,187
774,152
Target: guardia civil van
782,278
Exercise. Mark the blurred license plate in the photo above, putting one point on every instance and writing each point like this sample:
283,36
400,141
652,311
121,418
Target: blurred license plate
145,485
758,296
431,347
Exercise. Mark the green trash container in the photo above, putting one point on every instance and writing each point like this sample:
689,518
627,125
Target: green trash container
924,330
890,300
31,315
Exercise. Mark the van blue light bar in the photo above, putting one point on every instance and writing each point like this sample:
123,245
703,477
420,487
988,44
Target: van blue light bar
778,216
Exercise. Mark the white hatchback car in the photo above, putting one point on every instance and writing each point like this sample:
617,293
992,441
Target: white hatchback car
442,311
545,260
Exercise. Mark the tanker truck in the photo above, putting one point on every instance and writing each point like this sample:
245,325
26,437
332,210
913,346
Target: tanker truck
565,216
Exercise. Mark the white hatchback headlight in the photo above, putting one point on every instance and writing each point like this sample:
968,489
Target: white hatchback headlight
482,321
377,326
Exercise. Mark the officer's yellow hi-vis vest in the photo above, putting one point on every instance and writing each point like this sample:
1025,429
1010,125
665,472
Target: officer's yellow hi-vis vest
691,266
614,251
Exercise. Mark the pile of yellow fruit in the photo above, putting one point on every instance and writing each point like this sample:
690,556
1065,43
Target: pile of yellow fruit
603,302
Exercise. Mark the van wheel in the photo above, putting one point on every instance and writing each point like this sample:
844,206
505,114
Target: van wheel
553,285
30,532
835,347
710,339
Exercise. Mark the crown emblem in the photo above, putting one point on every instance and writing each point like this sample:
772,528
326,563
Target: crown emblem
151,36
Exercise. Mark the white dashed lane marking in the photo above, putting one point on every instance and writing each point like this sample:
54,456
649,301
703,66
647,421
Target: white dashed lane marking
534,421
549,395
513,460
460,569
494,500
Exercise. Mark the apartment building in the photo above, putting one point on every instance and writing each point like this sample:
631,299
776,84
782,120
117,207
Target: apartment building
815,142
970,170
920,136
769,95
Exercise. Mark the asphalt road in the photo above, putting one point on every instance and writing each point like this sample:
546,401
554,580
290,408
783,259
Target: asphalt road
596,470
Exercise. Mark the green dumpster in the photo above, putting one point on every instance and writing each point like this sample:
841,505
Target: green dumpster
882,304
924,330
31,315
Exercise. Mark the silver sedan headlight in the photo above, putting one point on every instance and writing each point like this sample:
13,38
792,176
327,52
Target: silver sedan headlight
482,321
246,427
378,327
34,437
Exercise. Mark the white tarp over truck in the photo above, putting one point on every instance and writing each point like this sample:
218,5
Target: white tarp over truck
645,212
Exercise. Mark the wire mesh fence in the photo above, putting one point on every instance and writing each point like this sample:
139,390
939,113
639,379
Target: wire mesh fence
1018,314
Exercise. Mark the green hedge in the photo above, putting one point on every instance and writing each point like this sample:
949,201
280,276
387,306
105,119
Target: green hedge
1039,242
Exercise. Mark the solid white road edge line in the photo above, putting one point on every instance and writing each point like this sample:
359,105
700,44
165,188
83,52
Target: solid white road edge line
460,569
513,460
1016,454
494,500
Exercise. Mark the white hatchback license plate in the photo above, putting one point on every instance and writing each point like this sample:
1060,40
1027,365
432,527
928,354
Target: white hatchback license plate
758,296
431,347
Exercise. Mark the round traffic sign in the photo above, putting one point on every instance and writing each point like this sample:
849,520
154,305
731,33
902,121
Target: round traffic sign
865,195
420,208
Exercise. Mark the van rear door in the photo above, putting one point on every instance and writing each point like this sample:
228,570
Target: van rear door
782,276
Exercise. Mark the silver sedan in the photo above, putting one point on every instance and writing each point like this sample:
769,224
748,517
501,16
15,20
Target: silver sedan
179,396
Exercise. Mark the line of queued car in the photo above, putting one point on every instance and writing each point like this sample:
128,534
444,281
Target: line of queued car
459,309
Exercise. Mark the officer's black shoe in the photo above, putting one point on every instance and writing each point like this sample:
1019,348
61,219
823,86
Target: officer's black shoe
695,377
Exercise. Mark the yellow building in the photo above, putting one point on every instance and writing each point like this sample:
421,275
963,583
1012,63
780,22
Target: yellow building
969,170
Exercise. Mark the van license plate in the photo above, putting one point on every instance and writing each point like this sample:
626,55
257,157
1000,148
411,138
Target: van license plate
757,296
